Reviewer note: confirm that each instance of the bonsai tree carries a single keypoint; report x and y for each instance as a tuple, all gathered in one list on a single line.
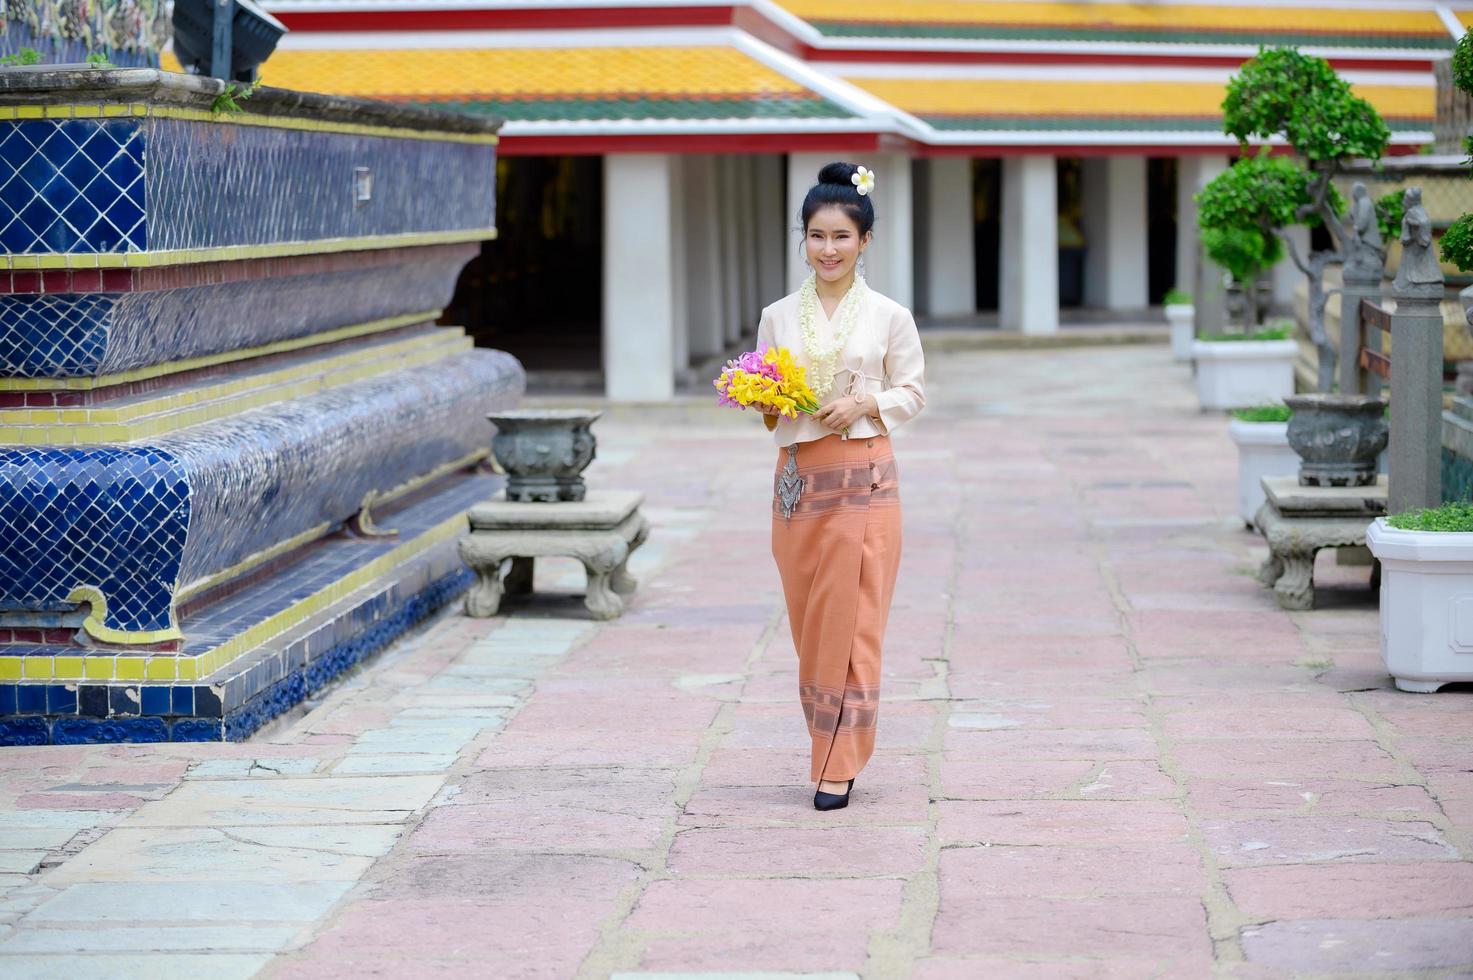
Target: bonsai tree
[(1457, 241), (1284, 94), (1240, 213)]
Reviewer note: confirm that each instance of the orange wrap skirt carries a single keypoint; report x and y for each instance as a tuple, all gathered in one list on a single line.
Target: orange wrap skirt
[(838, 556)]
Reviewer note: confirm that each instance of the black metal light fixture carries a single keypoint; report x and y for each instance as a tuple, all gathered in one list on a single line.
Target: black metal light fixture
[(225, 39)]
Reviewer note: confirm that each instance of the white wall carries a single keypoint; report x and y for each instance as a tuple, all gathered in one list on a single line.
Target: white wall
[(945, 264)]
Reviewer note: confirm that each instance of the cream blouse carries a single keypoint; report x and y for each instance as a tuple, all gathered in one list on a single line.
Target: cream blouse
[(882, 358)]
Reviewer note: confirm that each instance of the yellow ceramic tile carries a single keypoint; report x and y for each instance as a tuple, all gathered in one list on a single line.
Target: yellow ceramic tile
[(38, 668), (161, 669), (449, 74), (187, 668), (30, 112), (10, 668), (67, 668), (131, 668), (98, 668)]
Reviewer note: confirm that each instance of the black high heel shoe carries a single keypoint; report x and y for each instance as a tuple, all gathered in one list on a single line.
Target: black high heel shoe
[(832, 801)]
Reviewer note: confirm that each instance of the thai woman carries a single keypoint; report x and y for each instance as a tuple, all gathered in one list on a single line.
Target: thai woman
[(836, 506)]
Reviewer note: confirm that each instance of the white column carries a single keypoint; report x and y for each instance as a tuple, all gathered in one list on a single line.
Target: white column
[(638, 281), (803, 171), (1286, 274), (1029, 288), (679, 270), (706, 312), (773, 239), (746, 197), (889, 262), (1194, 274), (946, 265), (730, 222), (1116, 270)]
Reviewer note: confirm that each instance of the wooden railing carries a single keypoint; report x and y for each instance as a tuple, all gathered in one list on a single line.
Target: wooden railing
[(1375, 315)]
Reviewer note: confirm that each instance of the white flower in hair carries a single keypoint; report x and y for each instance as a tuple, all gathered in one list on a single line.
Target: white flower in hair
[(863, 180)]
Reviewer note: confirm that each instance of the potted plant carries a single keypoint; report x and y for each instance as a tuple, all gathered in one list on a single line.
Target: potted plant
[(1261, 434), (1426, 595), (1285, 95), (1241, 370), (1182, 316)]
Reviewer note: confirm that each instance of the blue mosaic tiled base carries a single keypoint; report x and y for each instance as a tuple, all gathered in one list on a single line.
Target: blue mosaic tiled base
[(240, 698), (155, 183), (138, 523), (90, 334)]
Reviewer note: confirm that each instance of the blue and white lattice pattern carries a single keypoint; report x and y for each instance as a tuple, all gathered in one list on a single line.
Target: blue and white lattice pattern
[(72, 185), (53, 335), (113, 518)]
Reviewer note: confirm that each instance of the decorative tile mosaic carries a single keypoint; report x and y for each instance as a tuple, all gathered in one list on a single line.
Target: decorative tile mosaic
[(110, 518), (116, 519), (213, 184), (79, 185), (86, 335), (130, 33), (71, 185), (237, 701)]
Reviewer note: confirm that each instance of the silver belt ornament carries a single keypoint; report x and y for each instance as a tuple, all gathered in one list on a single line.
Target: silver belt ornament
[(789, 485)]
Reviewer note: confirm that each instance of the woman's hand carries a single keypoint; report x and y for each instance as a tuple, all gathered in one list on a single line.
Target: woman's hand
[(841, 414)]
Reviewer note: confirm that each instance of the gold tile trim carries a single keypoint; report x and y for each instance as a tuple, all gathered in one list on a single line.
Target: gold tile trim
[(188, 256), (210, 360), (203, 664), (93, 624), (246, 118)]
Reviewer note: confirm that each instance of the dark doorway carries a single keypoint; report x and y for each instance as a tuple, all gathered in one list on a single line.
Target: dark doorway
[(987, 230), (1161, 231), (1071, 231), (537, 289)]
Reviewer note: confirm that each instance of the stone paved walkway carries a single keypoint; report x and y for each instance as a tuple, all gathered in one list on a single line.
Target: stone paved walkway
[(1104, 752)]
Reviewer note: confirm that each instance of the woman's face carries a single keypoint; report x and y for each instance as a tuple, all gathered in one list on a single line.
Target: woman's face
[(833, 243)]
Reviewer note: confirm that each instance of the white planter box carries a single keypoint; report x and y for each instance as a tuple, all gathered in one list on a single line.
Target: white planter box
[(1243, 373), (1263, 450), (1426, 605), (1183, 320)]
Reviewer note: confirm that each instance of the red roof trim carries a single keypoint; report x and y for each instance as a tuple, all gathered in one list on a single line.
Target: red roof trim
[(504, 19), (527, 146), (904, 56)]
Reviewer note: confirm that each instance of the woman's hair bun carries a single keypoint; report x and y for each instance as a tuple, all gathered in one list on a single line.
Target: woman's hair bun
[(837, 172)]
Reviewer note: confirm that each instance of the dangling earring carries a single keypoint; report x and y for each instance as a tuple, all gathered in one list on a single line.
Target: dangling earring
[(861, 263)]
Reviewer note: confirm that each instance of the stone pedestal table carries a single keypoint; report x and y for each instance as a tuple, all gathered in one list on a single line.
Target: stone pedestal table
[(1298, 521), (601, 531)]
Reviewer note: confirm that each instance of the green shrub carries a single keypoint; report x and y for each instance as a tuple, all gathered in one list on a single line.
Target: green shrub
[(1457, 243), (1281, 332), (1263, 413), (1177, 297), (1389, 210), (1449, 517)]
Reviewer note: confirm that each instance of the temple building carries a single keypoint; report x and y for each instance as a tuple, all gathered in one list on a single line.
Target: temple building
[(1032, 156)]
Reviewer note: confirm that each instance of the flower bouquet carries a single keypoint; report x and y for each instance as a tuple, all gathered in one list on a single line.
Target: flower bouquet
[(767, 377)]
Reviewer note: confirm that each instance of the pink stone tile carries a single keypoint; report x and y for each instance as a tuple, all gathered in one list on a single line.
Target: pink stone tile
[(1044, 713), (1307, 795), (1438, 755), (1353, 891), (1301, 840), (1168, 928), (965, 776), (1311, 720), (798, 850), (1032, 967), (734, 806), (971, 874), (1252, 758), (564, 828), (1059, 744), (1060, 822), (1335, 946), (598, 716), (523, 750)]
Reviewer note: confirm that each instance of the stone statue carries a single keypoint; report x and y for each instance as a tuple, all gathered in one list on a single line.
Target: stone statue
[(1418, 275), (1367, 258)]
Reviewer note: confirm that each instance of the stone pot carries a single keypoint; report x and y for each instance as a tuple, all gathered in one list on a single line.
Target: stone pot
[(1338, 438), (1426, 618), (543, 452)]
